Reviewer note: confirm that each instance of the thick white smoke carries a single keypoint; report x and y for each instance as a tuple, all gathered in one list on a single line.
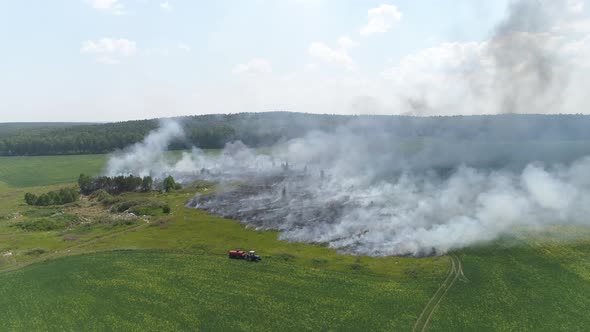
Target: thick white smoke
[(145, 157), (363, 192), (151, 157)]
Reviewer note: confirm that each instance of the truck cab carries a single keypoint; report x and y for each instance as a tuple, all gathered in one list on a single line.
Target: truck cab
[(251, 256)]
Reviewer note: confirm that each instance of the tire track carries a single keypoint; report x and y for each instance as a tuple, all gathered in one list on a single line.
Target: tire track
[(67, 250), (455, 271)]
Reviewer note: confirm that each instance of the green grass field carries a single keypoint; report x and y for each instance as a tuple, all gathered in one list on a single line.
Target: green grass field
[(47, 170), (161, 291), (170, 272), (521, 288)]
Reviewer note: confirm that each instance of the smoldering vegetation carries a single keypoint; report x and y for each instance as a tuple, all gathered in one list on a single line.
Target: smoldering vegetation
[(413, 186), (362, 190)]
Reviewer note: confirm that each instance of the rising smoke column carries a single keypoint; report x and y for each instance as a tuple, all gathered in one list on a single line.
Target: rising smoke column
[(362, 190), (529, 73), (147, 156), (151, 157), (531, 63)]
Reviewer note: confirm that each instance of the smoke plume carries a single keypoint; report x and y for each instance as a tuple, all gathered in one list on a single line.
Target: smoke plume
[(361, 190), (528, 73), (148, 156), (531, 63)]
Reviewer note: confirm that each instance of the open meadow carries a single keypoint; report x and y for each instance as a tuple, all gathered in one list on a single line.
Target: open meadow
[(79, 266)]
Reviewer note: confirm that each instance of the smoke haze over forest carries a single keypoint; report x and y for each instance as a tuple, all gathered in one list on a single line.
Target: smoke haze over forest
[(367, 192), (363, 189)]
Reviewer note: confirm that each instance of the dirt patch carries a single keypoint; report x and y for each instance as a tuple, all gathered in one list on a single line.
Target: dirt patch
[(10, 194), (70, 237)]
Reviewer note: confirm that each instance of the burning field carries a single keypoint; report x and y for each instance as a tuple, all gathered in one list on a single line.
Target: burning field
[(378, 187), (365, 192)]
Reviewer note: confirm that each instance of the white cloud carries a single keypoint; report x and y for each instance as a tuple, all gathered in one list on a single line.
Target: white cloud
[(445, 58), (481, 77), (113, 6), (256, 66), (109, 50), (339, 57), (157, 52), (381, 19), (184, 47), (310, 68), (575, 6), (442, 77), (345, 42), (573, 26), (578, 51), (165, 5)]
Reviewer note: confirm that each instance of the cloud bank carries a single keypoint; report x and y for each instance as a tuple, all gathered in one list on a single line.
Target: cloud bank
[(109, 50)]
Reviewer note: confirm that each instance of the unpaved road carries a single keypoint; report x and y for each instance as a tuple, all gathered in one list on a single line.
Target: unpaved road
[(455, 272), (67, 251)]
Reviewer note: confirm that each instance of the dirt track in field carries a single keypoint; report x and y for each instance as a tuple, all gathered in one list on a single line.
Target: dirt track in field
[(67, 251), (456, 271)]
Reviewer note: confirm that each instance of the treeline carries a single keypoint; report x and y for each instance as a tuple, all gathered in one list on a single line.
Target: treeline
[(8, 129), (78, 139), (265, 129), (112, 185), (204, 131), (120, 184), (57, 197)]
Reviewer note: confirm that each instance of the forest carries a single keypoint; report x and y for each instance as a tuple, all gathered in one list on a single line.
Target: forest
[(265, 129)]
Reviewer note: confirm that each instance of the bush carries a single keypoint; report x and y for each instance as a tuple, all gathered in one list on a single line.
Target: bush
[(41, 224), (31, 199), (166, 209), (101, 195), (36, 251), (125, 205), (170, 185), (115, 185), (58, 197)]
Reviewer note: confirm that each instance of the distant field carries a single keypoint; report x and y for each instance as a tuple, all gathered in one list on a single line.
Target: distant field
[(22, 172), (48, 170)]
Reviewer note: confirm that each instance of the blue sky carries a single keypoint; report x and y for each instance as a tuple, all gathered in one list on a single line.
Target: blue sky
[(106, 60)]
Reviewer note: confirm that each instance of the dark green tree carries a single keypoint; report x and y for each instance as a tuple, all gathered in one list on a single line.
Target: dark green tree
[(86, 184), (31, 199), (147, 184), (170, 184)]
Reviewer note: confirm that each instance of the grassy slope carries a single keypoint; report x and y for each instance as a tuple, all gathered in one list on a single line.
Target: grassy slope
[(19, 175), (295, 278)]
